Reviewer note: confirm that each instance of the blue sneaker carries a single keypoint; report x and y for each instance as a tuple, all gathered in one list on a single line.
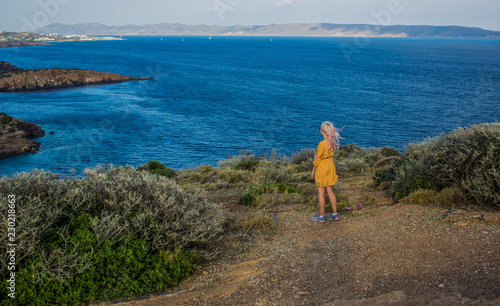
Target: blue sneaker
[(334, 217), (319, 219)]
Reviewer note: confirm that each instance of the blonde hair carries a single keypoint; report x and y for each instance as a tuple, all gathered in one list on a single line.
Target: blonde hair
[(331, 135)]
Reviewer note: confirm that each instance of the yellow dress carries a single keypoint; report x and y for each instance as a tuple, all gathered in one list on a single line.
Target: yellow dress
[(325, 174)]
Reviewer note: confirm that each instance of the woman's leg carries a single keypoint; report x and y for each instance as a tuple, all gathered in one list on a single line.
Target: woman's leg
[(321, 200), (332, 197)]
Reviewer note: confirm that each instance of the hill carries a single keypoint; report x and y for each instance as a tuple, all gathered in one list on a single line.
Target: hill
[(294, 29)]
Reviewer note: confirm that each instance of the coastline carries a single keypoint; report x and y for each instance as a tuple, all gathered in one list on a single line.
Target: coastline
[(14, 79), (28, 39)]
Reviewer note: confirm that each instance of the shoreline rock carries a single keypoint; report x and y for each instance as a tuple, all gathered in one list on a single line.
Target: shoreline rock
[(21, 80), (15, 136)]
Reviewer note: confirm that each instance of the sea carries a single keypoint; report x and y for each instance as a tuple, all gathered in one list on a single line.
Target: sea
[(214, 98)]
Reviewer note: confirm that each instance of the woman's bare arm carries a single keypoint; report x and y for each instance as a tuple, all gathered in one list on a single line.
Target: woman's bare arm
[(314, 167)]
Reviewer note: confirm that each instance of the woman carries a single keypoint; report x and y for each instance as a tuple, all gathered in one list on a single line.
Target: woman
[(324, 170)]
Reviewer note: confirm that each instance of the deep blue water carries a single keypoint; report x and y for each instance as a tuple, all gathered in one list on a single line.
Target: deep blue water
[(213, 98)]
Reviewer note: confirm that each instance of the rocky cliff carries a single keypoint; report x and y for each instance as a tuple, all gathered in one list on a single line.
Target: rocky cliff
[(15, 136), (56, 78)]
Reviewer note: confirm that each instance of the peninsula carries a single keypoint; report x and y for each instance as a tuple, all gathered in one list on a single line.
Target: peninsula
[(16, 135), (24, 39), (13, 78)]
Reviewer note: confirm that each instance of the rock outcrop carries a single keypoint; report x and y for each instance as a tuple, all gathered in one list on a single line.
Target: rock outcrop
[(4, 66), (15, 136), (19, 80)]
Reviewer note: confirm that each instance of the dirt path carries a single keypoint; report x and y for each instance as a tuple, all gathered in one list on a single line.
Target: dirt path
[(385, 255)]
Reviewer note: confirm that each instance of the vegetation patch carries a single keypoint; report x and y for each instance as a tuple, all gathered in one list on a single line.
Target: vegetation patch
[(449, 197), (5, 119), (249, 197), (248, 165), (157, 167), (468, 159), (257, 222), (114, 233)]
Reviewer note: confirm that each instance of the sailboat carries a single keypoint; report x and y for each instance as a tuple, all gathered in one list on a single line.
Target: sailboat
[(210, 37)]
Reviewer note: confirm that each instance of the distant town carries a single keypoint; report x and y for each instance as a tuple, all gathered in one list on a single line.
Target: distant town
[(23, 39)]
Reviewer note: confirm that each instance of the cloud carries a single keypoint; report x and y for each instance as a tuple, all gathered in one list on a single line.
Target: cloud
[(285, 3)]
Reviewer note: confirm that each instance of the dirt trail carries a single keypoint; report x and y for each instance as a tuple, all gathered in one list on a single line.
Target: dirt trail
[(236, 276)]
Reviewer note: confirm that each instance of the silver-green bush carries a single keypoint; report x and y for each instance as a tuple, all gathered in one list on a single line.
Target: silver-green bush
[(468, 158), (123, 201)]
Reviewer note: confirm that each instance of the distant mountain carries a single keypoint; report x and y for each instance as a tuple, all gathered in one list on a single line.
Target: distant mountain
[(293, 29)]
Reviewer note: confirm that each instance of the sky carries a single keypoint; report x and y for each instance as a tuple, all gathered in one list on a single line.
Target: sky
[(18, 14)]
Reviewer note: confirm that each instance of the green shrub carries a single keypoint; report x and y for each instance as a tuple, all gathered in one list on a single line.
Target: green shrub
[(89, 271), (468, 158), (230, 176), (304, 156), (385, 175), (164, 172), (157, 167), (352, 158), (282, 188), (418, 169), (350, 149), (350, 164), (205, 169), (122, 221), (11, 130), (371, 157), (303, 160), (4, 118), (389, 151), (248, 165)]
